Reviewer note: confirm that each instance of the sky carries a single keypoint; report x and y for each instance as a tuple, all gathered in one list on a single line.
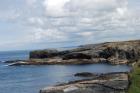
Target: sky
[(40, 24)]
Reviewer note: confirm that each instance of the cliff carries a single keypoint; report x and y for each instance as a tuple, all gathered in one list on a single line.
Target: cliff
[(110, 52)]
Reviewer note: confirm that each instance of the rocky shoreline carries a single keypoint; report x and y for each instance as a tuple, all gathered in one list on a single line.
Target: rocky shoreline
[(104, 83), (125, 52)]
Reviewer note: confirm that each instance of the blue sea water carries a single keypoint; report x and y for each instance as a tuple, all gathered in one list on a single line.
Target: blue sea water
[(13, 55), (30, 79)]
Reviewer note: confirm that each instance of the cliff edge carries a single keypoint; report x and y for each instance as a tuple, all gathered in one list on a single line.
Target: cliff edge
[(125, 52)]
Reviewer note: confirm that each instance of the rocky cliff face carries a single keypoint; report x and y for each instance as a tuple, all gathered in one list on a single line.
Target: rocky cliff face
[(111, 52)]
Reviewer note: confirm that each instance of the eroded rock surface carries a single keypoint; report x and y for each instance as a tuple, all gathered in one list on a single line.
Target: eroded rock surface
[(111, 52), (107, 83)]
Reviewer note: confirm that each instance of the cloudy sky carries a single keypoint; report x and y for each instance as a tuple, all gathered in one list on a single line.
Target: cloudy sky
[(36, 24)]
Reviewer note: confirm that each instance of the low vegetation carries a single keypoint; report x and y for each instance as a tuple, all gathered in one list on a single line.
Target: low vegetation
[(135, 79)]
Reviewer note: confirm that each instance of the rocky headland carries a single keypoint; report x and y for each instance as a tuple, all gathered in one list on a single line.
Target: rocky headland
[(125, 52)]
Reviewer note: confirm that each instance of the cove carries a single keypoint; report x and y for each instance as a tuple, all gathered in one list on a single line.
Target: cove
[(30, 79)]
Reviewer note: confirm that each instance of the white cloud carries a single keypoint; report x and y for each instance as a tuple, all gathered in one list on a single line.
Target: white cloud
[(55, 7), (48, 35), (89, 18), (78, 20), (31, 2), (9, 15), (86, 34), (35, 21)]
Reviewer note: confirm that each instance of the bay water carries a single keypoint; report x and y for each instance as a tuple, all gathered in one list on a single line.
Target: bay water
[(30, 79)]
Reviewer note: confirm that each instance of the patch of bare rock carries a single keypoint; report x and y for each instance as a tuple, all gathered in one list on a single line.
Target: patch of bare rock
[(105, 83)]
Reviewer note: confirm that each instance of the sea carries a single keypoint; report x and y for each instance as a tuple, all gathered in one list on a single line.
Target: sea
[(30, 79)]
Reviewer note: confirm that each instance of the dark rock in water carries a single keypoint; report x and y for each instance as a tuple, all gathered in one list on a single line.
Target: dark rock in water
[(85, 74), (113, 83)]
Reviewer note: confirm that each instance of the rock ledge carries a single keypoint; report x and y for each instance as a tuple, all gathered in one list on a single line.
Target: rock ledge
[(107, 83)]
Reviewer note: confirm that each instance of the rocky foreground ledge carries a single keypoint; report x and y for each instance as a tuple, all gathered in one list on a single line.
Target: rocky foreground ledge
[(125, 52), (105, 83)]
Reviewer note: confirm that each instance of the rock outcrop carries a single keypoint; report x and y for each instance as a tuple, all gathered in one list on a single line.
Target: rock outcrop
[(85, 74), (106, 83), (44, 53), (111, 52)]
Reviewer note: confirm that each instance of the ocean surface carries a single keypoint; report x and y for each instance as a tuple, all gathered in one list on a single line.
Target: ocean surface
[(30, 79)]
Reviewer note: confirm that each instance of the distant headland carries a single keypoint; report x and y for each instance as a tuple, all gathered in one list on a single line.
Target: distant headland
[(124, 52)]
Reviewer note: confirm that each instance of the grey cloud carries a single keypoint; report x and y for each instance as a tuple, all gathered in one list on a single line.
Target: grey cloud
[(72, 20)]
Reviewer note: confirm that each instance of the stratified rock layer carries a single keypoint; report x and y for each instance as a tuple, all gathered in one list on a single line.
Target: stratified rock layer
[(111, 52), (107, 83)]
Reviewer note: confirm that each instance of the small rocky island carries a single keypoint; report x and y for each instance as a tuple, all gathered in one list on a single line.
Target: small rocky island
[(125, 52)]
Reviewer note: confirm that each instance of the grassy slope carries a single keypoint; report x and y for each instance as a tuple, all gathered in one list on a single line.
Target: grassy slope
[(135, 80)]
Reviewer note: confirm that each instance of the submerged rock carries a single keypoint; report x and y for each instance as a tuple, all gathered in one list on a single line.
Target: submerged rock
[(85, 74)]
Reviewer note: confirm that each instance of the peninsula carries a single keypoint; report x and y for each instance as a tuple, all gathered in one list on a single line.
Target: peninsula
[(124, 52)]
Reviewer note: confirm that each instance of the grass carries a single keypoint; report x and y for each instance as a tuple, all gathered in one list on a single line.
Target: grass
[(135, 80)]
